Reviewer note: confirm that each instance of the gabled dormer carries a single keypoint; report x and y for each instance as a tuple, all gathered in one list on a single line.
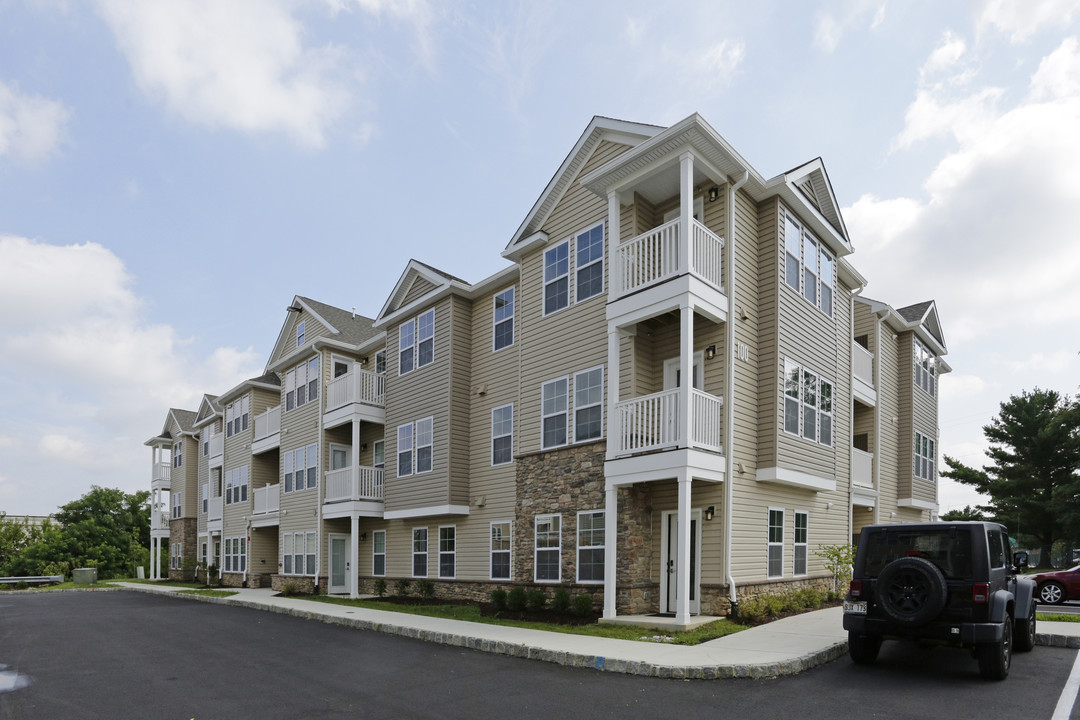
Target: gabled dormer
[(812, 182), (419, 285), (208, 425)]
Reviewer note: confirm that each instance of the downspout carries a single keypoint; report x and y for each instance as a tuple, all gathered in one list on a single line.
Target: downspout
[(729, 381), (322, 483), (875, 467)]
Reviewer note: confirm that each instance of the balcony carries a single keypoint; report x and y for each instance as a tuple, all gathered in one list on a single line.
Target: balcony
[(267, 500), (659, 255), (354, 490), (651, 422), (862, 362), (358, 394), (267, 431), (213, 513), (862, 468), (159, 523), (161, 476), (217, 449)]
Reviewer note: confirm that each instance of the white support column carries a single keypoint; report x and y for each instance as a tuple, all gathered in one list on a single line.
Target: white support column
[(686, 210), (614, 224), (614, 428), (686, 372), (611, 536), (682, 603), (355, 460), (354, 554)]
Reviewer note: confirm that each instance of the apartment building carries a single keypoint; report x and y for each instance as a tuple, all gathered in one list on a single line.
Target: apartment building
[(173, 480), (672, 395)]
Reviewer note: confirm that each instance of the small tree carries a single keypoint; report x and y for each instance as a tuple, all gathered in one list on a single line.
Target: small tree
[(838, 560)]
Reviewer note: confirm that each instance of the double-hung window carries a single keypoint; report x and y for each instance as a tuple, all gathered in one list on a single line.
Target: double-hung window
[(177, 504), (416, 343), (301, 333), (808, 404), (415, 447), (802, 525), (380, 362), (378, 454), (924, 457), (925, 368), (503, 320), (548, 550), (178, 454), (298, 553), (500, 551), (776, 543), (206, 443), (236, 554), (424, 442), (204, 495), (236, 416), (809, 269), (405, 450), (419, 552), (590, 263), (378, 553), (557, 278), (588, 404), (447, 551), (554, 396), (590, 542), (301, 468), (302, 384), (502, 435), (236, 485)]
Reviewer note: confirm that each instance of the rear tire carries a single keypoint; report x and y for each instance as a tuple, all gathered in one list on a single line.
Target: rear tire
[(863, 649), (995, 659), (1024, 632)]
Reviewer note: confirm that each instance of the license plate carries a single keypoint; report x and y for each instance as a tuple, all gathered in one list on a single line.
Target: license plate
[(855, 607)]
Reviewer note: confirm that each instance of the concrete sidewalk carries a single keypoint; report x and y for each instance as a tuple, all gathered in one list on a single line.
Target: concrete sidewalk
[(783, 647)]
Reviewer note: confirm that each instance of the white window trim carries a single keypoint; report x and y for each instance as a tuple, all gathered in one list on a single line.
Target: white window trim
[(375, 554), (301, 472), (805, 545), (452, 552), (375, 454), (790, 364), (177, 453), (925, 378), (512, 319), (430, 419), (603, 254), (301, 333), (288, 542), (414, 323), (510, 551), (603, 394), (581, 547), (537, 550), (564, 411), (335, 359), (236, 558), (177, 505), (931, 458), (804, 233), (495, 437), (771, 544), (312, 369), (545, 282), (411, 450), (426, 553)]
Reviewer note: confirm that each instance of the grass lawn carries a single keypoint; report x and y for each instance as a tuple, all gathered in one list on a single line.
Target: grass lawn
[(471, 613), (207, 592), (1058, 617), (70, 585)]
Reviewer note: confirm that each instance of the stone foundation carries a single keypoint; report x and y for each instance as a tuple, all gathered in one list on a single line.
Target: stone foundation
[(186, 532), (233, 580), (304, 585), (480, 592)]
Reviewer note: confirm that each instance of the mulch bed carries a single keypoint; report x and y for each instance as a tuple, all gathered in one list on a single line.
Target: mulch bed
[(553, 617)]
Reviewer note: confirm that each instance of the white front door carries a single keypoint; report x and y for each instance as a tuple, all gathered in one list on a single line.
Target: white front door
[(340, 572), (669, 560), (339, 456), (672, 377)]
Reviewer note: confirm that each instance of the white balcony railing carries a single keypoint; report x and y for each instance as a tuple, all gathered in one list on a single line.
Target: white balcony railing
[(355, 386), (267, 499), (862, 468), (217, 445), (705, 431), (159, 520), (864, 363), (268, 423), (214, 508), (162, 471), (651, 422), (354, 483), (659, 255)]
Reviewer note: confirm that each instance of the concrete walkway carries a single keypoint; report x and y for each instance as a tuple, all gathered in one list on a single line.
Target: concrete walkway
[(783, 647)]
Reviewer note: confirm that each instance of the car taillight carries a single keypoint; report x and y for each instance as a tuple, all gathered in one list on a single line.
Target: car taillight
[(980, 593), (855, 588)]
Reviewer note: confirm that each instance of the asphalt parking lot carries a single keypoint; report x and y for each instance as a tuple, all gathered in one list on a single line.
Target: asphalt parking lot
[(133, 655)]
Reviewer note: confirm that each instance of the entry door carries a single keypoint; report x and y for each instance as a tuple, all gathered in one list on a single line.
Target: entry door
[(669, 575), (339, 456), (672, 374), (339, 564)]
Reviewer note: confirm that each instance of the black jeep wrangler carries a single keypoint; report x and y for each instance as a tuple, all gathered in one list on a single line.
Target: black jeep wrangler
[(946, 582)]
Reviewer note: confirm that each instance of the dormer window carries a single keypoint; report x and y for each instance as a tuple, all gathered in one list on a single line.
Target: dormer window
[(178, 454), (809, 269), (301, 332)]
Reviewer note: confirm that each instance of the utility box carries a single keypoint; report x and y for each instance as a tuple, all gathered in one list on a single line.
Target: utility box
[(84, 576)]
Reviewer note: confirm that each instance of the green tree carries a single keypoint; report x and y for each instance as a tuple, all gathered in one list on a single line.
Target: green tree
[(968, 513), (14, 537), (1033, 480)]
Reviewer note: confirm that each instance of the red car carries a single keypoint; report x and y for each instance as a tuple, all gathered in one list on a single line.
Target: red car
[(1058, 586)]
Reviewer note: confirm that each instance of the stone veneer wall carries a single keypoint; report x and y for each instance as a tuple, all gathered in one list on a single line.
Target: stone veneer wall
[(305, 585), (186, 531), (569, 480)]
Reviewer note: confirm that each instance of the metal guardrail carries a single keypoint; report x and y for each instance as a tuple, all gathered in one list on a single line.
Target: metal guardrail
[(32, 579)]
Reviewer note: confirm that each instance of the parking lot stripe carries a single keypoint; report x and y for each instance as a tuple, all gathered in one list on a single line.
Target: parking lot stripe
[(1068, 693)]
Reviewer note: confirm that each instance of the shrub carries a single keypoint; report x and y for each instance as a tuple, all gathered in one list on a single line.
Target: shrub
[(498, 600), (402, 587), (187, 569), (290, 589), (380, 587), (21, 585), (516, 599), (582, 605), (425, 589), (561, 601), (838, 560), (536, 600), (213, 577)]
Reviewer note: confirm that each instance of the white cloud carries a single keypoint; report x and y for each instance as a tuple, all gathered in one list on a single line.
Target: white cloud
[(86, 374), (947, 54), (832, 24), (957, 386), (1053, 362), (31, 127), (241, 65), (723, 59), (1058, 76), (879, 222), (1021, 20)]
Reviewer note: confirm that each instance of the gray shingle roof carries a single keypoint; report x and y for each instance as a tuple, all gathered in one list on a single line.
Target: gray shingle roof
[(354, 329), (186, 418), (444, 274), (914, 313), (267, 379)]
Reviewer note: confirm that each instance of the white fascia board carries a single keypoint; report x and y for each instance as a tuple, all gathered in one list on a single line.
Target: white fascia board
[(371, 343), (812, 217), (244, 386), (537, 240), (497, 281), (413, 307), (207, 420), (795, 478), (850, 275), (430, 511), (294, 357), (318, 317), (916, 503), (281, 334), (441, 282)]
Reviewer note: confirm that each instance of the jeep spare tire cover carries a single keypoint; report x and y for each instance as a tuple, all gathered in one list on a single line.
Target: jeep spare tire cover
[(911, 591)]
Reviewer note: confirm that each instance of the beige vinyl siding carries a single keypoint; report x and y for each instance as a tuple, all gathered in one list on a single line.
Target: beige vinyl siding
[(889, 444), (422, 393), (702, 495), (744, 395), (313, 329), (300, 428), (571, 339), (264, 552), (497, 374), (768, 328), (457, 430), (203, 476), (186, 478), (419, 288), (918, 414)]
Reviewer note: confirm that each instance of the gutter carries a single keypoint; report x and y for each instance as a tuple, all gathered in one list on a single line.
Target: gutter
[(729, 381)]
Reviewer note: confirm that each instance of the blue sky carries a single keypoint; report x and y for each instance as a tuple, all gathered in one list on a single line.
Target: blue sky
[(172, 173)]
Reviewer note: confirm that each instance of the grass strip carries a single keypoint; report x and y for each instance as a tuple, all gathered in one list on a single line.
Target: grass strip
[(1058, 617), (207, 592)]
